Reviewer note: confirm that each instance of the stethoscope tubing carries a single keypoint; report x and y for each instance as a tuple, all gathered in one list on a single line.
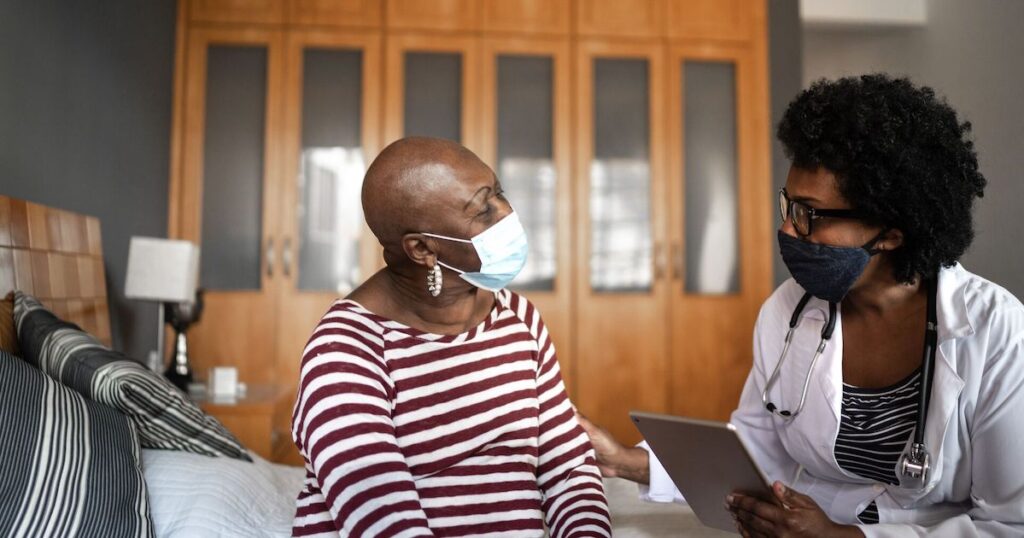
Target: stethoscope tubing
[(826, 335)]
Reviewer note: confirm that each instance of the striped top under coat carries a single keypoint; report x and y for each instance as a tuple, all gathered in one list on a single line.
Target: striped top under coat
[(875, 427)]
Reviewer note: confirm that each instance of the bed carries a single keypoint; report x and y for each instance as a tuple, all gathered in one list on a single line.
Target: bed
[(55, 257), (169, 483)]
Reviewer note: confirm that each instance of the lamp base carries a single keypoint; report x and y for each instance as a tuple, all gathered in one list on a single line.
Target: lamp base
[(180, 371)]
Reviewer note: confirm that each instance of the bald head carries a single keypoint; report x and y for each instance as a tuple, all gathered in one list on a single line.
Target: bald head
[(415, 183)]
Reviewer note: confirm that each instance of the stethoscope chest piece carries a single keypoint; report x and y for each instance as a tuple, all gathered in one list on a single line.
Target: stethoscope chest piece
[(914, 466)]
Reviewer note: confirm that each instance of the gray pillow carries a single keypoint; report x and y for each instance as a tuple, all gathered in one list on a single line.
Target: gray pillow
[(70, 465), (164, 415)]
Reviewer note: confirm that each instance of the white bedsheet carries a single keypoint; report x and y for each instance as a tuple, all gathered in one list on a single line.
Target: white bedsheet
[(194, 496)]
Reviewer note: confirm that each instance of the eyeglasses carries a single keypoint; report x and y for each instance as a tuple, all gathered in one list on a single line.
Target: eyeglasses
[(803, 216)]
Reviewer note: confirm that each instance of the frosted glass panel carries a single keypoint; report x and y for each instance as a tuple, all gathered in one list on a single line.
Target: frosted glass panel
[(433, 95), (712, 234), (236, 95), (330, 175), (525, 159), (620, 178)]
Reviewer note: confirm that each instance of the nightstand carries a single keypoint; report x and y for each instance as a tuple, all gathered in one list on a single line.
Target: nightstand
[(250, 418)]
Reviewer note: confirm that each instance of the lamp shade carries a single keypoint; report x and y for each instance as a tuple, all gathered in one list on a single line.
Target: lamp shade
[(165, 270)]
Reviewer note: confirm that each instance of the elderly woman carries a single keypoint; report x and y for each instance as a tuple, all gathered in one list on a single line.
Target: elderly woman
[(430, 401), (897, 407)]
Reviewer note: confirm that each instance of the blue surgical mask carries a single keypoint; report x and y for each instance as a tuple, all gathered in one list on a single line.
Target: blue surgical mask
[(825, 271), (502, 251)]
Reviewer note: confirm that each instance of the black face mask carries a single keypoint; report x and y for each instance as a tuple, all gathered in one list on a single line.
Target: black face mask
[(824, 271)]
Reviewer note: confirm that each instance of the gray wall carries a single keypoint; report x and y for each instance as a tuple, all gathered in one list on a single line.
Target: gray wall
[(971, 52), (85, 110), (785, 63)]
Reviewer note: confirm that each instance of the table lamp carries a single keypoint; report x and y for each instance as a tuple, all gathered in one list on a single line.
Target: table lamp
[(167, 271)]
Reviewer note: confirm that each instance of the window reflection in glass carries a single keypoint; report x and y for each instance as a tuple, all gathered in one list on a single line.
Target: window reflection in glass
[(620, 179), (709, 143), (530, 186), (525, 101), (330, 218), (620, 245), (330, 175)]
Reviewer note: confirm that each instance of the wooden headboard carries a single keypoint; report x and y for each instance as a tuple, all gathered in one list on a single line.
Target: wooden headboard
[(56, 256)]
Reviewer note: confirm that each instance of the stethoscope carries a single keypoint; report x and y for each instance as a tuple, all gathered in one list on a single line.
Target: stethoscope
[(915, 462)]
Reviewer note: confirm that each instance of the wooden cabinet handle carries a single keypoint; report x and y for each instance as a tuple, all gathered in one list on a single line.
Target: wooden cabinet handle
[(286, 257), (659, 261), (270, 256), (677, 261)]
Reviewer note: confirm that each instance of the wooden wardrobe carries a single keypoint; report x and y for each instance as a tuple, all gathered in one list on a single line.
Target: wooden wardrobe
[(632, 137)]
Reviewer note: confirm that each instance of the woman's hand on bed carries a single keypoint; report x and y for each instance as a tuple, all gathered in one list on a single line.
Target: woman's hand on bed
[(614, 459), (793, 514)]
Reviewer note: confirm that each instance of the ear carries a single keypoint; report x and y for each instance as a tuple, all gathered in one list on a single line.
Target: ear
[(420, 249), (891, 240)]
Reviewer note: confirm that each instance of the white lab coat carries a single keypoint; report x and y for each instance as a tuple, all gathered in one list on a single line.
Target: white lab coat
[(974, 428)]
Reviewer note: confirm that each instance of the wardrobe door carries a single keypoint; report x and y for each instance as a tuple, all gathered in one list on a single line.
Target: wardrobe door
[(433, 15), (226, 199), (621, 280), (347, 13), (548, 17), (615, 18), (237, 11), (719, 224), (525, 119), (331, 134), (713, 20)]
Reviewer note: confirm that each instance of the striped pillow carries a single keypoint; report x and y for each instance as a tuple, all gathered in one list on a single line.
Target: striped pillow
[(164, 416), (70, 466)]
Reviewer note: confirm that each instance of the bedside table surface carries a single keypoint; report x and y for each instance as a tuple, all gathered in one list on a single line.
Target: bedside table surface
[(257, 398), (252, 418)]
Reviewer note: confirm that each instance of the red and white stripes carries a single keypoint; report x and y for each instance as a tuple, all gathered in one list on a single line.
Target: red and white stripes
[(406, 433)]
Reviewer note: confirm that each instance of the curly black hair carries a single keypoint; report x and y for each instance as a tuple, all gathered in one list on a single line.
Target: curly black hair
[(900, 155)]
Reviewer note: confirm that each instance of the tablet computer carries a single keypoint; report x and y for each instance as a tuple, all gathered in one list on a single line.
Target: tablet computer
[(706, 461)]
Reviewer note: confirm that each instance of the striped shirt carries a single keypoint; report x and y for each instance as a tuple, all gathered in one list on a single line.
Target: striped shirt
[(873, 432), (406, 433)]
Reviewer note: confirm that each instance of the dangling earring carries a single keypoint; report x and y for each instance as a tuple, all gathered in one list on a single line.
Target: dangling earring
[(435, 280)]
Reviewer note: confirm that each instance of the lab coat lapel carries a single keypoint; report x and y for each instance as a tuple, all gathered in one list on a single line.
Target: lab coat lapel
[(946, 382), (946, 388), (805, 434)]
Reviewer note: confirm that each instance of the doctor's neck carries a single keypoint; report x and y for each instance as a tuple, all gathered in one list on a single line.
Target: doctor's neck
[(877, 292)]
